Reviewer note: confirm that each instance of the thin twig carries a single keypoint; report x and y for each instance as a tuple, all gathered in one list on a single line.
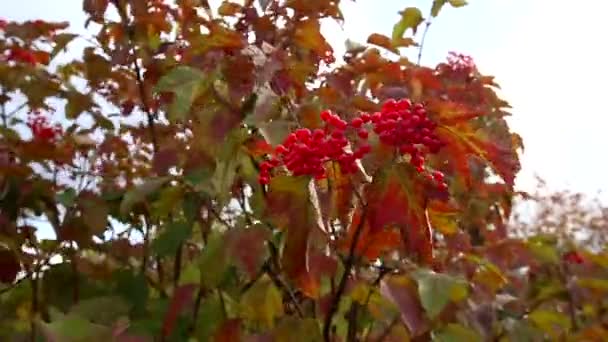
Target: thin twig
[(426, 30)]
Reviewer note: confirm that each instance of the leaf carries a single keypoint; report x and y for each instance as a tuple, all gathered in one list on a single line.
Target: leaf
[(61, 42), (72, 328), (443, 217), (9, 265), (182, 296), (187, 83), (438, 4), (101, 310), (139, 193), (411, 17), (399, 200), (229, 9), (262, 303), (383, 41), (213, 261), (133, 288), (293, 329), (436, 290), (308, 35), (551, 322), (463, 142), (371, 243), (288, 207), (456, 333), (229, 331), (171, 238), (247, 247), (95, 212), (401, 291), (210, 316)]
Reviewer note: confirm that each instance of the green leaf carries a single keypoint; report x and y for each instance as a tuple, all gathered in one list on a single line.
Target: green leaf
[(190, 275), (169, 240), (213, 261), (102, 310), (411, 17), (210, 316), (438, 4), (456, 333), (133, 288), (262, 303), (139, 193), (72, 328), (187, 84), (66, 197), (437, 290), (551, 322)]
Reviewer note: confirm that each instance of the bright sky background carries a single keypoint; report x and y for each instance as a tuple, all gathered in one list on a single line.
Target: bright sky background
[(550, 57)]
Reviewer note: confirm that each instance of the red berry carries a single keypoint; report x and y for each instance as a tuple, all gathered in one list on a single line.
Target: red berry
[(326, 115), (365, 117), (363, 134), (280, 149), (442, 186), (438, 176), (303, 133), (356, 122), (264, 180)]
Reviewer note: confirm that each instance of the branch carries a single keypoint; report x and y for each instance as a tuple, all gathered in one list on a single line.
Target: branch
[(426, 30), (348, 265)]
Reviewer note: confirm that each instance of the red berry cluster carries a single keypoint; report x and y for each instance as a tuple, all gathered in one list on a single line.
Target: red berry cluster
[(19, 54), (305, 152), (406, 127), (42, 129), (460, 62)]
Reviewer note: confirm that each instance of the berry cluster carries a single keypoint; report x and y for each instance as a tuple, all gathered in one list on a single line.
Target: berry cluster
[(460, 62), (406, 127), (22, 55), (306, 152), (42, 129)]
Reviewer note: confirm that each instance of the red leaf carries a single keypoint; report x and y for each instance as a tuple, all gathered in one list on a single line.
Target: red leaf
[(371, 244), (9, 266), (181, 297), (229, 331), (398, 198), (247, 247)]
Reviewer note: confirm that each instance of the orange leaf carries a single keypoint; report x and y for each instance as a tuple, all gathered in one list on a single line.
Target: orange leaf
[(229, 9), (370, 244), (462, 142), (383, 41), (308, 35)]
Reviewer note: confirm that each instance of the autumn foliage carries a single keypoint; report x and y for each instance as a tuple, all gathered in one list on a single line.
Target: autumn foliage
[(215, 173)]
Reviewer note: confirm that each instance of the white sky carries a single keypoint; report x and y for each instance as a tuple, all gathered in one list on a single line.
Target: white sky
[(548, 55)]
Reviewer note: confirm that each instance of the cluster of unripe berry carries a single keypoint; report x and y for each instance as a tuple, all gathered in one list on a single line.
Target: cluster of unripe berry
[(399, 124)]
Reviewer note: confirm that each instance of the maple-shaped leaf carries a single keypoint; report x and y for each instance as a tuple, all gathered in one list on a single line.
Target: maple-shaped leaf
[(308, 35), (463, 142), (398, 197), (370, 243), (288, 207), (247, 247)]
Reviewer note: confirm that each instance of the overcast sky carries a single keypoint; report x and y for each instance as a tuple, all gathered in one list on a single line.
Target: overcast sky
[(549, 56)]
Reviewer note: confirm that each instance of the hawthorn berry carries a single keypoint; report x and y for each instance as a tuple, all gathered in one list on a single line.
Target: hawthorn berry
[(42, 130)]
